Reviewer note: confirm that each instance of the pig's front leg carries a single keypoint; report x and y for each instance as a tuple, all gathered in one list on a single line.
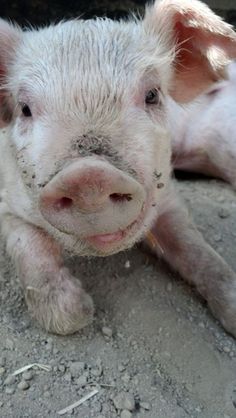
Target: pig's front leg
[(54, 297), (175, 238)]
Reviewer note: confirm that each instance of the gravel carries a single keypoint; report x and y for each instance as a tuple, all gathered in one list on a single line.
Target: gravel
[(153, 350)]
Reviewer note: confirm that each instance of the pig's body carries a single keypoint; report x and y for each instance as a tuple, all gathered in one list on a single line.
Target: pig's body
[(85, 160), (203, 133)]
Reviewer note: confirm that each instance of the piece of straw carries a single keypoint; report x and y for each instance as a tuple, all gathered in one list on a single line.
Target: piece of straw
[(78, 403), (30, 366)]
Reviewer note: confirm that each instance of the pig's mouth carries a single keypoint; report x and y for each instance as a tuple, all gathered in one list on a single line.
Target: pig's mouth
[(102, 241), (112, 242)]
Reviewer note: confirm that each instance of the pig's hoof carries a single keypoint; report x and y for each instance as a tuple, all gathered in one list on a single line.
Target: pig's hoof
[(226, 314), (60, 305)]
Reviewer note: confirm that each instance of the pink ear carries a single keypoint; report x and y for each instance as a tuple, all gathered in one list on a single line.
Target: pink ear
[(9, 40), (204, 44)]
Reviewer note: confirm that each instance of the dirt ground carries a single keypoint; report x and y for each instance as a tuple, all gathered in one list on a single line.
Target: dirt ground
[(153, 350)]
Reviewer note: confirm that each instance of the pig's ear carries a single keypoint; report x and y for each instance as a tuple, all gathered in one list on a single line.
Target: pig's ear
[(9, 39), (203, 44)]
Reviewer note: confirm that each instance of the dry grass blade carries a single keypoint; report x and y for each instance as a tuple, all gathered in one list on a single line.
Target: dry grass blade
[(78, 403), (153, 242), (30, 366)]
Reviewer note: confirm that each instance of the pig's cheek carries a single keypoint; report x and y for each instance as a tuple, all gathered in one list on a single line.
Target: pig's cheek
[(26, 169)]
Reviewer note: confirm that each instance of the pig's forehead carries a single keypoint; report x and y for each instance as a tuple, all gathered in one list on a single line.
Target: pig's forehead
[(90, 52)]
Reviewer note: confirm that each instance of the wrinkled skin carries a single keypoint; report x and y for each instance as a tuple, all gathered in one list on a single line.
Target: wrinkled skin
[(204, 136), (85, 158)]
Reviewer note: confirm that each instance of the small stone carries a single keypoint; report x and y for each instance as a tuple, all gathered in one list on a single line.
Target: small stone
[(28, 375), (9, 344), (82, 380), (97, 371), (10, 380), (76, 368), (223, 213), (220, 250), (2, 370), (125, 414), (107, 331), (145, 405), (218, 238), (121, 367), (1, 404), (23, 385), (2, 361), (127, 264), (226, 349), (67, 377), (124, 401), (125, 378), (62, 368), (169, 287), (9, 391)]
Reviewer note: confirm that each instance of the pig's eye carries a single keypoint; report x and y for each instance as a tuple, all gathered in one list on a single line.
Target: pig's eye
[(152, 97), (26, 110)]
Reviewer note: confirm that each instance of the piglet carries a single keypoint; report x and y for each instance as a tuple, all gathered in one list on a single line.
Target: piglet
[(203, 132), (85, 160)]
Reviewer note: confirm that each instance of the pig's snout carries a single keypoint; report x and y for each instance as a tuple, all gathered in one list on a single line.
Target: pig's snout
[(92, 197)]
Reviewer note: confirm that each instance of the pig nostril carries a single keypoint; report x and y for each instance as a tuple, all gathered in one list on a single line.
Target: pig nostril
[(64, 203), (119, 197)]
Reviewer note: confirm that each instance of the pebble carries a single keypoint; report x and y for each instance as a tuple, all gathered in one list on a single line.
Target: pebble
[(217, 237), (9, 391), (107, 331), (10, 380), (28, 375), (125, 414), (9, 344), (127, 264), (97, 371), (145, 405), (1, 404), (223, 213), (82, 380), (226, 349), (125, 378), (23, 385), (62, 368), (2, 370), (124, 401), (169, 287), (67, 377), (2, 361), (76, 368), (121, 367)]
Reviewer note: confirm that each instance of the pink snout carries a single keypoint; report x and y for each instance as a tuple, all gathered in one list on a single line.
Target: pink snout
[(91, 197)]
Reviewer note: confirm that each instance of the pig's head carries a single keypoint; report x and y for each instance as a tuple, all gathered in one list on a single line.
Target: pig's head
[(85, 105)]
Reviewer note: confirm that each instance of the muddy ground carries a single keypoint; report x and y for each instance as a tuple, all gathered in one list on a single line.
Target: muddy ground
[(153, 350)]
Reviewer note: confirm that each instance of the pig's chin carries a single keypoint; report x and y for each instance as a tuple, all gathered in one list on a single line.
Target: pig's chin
[(106, 244), (115, 241)]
